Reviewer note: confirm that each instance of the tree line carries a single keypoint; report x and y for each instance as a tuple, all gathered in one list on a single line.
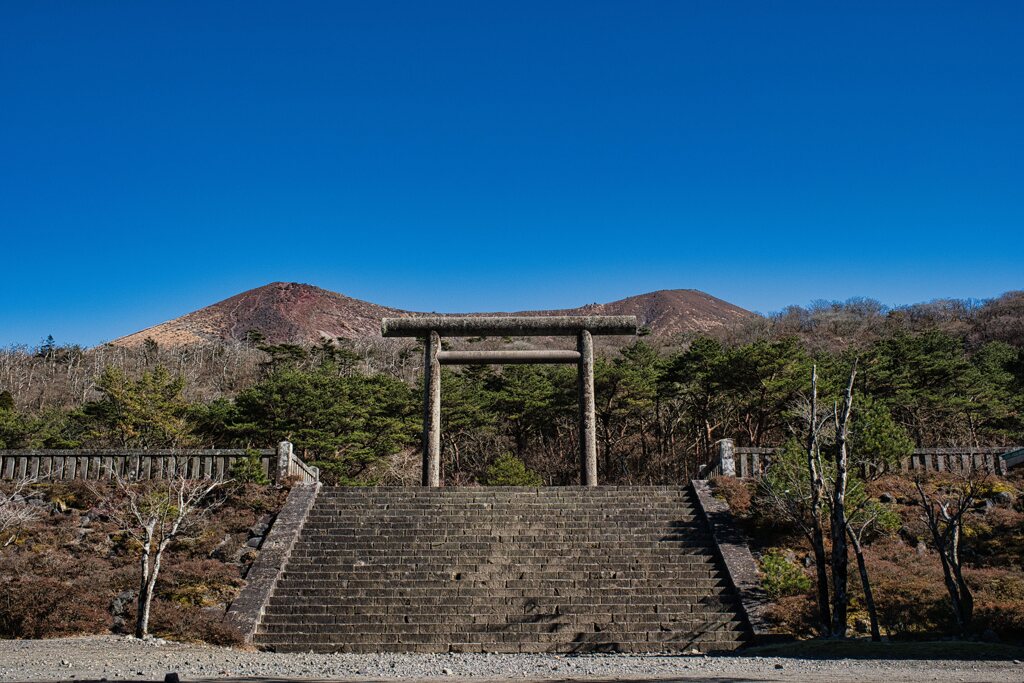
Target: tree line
[(355, 409)]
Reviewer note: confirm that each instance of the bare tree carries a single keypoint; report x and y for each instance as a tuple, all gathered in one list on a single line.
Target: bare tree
[(944, 514), (840, 551), (864, 518), (817, 480), (15, 511), (803, 487), (401, 469), (155, 513)]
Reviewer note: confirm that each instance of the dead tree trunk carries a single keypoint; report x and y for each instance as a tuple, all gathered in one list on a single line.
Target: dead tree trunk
[(945, 521), (817, 536), (145, 583), (865, 582), (840, 551)]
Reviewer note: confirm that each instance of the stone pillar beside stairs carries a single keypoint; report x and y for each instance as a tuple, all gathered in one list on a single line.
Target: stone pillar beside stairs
[(285, 452), (727, 458)]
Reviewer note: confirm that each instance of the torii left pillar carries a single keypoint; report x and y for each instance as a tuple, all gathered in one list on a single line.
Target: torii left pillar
[(432, 410), (588, 413)]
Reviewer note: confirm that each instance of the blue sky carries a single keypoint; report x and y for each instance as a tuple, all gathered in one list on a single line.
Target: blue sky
[(156, 157)]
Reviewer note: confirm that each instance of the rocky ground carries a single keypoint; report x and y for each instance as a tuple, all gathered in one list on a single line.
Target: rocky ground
[(117, 658)]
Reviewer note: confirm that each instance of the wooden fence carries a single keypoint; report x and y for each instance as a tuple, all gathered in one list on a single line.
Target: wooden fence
[(749, 462), (97, 464)]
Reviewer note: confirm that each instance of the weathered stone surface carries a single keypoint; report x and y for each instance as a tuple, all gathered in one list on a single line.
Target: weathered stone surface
[(507, 357), (739, 563), (431, 411), (1003, 498), (502, 569), (511, 326), (248, 607), (726, 457), (102, 463), (588, 418)]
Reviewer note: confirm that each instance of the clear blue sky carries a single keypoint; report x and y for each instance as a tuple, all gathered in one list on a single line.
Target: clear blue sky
[(156, 157)]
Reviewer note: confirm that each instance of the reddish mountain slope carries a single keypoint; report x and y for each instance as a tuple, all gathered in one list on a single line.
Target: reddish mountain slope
[(298, 313), (667, 311), (281, 311)]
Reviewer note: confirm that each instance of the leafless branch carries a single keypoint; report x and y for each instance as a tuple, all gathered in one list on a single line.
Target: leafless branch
[(15, 511)]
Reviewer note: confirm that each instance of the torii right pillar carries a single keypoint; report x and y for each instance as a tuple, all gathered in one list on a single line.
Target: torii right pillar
[(588, 417)]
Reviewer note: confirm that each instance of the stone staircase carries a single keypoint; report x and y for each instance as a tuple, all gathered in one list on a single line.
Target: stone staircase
[(566, 569)]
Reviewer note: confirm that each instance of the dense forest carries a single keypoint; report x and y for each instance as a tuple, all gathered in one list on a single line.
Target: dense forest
[(949, 372)]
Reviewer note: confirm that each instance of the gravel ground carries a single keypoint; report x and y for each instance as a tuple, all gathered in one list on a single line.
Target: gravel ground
[(117, 658)]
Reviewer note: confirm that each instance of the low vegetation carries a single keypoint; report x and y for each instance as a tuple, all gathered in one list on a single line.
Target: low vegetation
[(782, 576), (74, 569), (508, 470), (906, 569)]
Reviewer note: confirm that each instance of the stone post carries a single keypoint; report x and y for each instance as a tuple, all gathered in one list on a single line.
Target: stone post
[(432, 411), (284, 460), (727, 458), (588, 419)]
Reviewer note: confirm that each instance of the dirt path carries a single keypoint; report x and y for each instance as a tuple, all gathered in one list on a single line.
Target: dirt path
[(115, 658)]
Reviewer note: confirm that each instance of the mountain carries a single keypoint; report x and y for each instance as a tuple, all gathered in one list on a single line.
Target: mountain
[(299, 313), (665, 312)]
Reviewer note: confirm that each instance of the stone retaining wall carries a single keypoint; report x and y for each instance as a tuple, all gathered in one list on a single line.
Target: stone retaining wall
[(740, 564), (247, 608)]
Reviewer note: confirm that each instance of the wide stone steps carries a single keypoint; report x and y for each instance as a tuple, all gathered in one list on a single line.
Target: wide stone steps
[(514, 542), (709, 638), (350, 592), (490, 527), (566, 569), (640, 550), (510, 570), (413, 579), (511, 605), (600, 530), (350, 630), (551, 632), (638, 509)]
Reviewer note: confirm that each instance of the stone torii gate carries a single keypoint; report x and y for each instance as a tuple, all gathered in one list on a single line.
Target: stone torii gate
[(432, 328)]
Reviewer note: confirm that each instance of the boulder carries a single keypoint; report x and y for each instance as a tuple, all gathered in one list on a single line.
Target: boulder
[(119, 609), (258, 530), (1003, 498), (222, 550)]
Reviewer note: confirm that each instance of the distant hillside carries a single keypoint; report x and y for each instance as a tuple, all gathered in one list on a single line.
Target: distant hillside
[(299, 313), (666, 312)]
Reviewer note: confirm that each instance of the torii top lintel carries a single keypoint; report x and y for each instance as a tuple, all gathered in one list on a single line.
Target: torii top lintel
[(508, 326)]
